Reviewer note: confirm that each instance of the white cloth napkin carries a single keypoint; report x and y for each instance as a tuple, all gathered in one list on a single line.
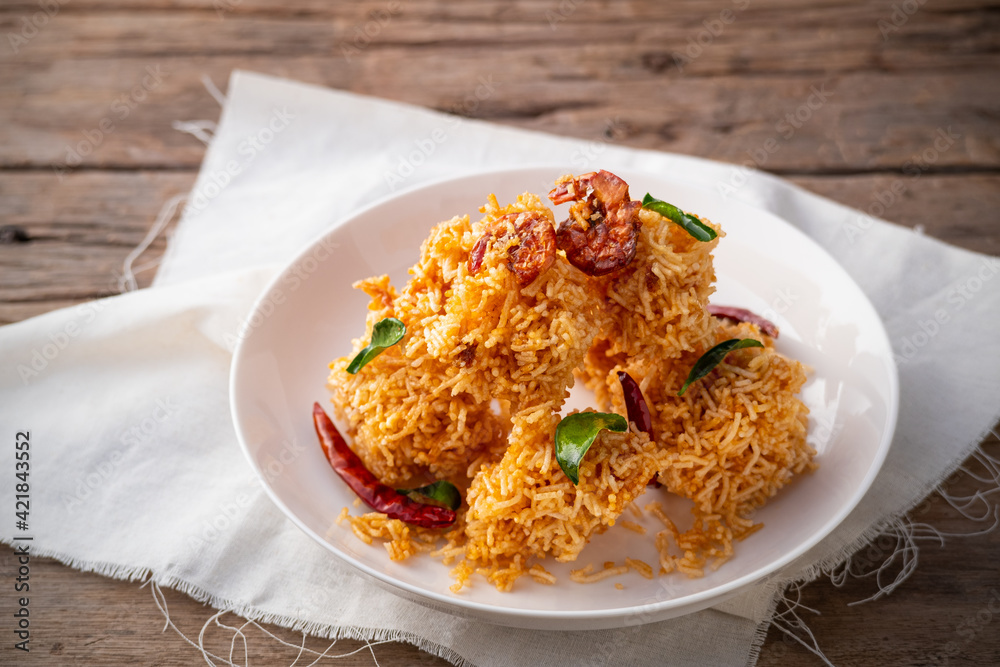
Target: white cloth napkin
[(135, 468)]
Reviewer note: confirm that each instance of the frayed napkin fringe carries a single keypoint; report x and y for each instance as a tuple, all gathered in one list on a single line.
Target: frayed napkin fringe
[(311, 628), (760, 634), (903, 529), (906, 530), (246, 611)]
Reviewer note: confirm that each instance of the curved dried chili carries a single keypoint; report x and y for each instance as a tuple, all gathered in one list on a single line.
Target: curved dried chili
[(635, 404), (380, 497), (744, 315), (637, 410)]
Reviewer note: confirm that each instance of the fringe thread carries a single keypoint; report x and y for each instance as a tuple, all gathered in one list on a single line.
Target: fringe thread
[(899, 535)]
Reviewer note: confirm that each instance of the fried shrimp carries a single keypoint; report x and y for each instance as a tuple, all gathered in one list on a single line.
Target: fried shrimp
[(530, 240), (524, 507), (437, 432), (599, 236)]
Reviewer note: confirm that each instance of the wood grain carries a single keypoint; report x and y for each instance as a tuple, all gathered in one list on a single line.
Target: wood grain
[(80, 228), (566, 69), (89, 153), (86, 619), (870, 121)]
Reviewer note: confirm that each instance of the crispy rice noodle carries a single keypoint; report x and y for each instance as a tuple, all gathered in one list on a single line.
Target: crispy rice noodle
[(499, 324)]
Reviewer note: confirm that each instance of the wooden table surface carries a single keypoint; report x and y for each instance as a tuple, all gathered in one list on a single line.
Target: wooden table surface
[(889, 106)]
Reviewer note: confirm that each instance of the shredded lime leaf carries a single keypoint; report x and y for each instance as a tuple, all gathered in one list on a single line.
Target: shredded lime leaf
[(713, 357), (577, 432), (385, 333), (442, 491), (692, 225)]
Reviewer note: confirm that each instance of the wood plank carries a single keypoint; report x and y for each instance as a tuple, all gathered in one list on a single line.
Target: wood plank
[(956, 209), (602, 11), (567, 72), (89, 206), (54, 271), (716, 38), (870, 120), (15, 311), (82, 618), (80, 229), (707, 38), (76, 233)]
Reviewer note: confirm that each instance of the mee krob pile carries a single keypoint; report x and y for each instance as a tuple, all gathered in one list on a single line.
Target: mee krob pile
[(453, 398)]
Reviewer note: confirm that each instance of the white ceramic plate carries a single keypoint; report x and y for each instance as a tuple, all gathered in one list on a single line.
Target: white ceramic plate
[(309, 314)]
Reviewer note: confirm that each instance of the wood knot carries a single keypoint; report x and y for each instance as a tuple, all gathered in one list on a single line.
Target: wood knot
[(11, 234), (657, 61)]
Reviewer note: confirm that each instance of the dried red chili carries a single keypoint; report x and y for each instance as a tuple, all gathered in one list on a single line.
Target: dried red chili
[(637, 410), (744, 315), (380, 497), (635, 404)]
